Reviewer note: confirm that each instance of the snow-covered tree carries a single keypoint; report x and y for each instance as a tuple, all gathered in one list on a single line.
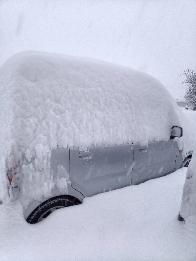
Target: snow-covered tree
[(190, 81)]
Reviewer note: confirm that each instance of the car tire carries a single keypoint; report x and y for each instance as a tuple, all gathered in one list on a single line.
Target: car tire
[(187, 161), (180, 218), (50, 205)]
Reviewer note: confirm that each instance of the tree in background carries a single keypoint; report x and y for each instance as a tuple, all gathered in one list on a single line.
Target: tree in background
[(190, 96)]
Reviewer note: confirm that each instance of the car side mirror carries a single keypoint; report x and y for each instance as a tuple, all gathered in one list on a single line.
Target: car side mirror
[(176, 131)]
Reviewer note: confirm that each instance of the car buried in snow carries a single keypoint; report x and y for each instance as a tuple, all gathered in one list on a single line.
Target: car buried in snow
[(76, 127)]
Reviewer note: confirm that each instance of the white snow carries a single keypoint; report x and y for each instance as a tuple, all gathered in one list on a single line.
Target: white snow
[(50, 100), (137, 223), (67, 101), (188, 121), (188, 206)]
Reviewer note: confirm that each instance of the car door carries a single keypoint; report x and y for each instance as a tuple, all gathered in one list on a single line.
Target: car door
[(100, 169), (155, 160)]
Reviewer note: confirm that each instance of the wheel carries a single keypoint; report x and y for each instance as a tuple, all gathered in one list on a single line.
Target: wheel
[(50, 205), (180, 218), (187, 161)]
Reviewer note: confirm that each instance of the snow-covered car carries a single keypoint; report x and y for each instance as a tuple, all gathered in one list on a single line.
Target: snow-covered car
[(72, 128)]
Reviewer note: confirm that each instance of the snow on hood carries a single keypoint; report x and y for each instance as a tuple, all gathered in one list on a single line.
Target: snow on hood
[(50, 100)]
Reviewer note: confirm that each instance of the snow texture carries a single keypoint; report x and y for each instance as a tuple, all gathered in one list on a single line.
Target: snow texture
[(50, 100), (188, 121), (67, 101), (188, 206), (137, 223)]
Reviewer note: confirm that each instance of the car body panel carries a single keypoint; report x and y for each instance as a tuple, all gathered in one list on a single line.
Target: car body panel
[(158, 159), (105, 168), (101, 169)]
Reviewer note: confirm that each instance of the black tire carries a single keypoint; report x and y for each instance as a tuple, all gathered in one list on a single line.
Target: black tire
[(180, 218), (187, 161), (48, 206)]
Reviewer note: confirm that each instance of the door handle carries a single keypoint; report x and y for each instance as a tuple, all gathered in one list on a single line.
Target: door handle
[(143, 149), (85, 155)]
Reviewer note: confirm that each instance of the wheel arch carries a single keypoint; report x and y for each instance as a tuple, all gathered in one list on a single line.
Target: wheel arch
[(55, 202), (33, 203), (187, 160)]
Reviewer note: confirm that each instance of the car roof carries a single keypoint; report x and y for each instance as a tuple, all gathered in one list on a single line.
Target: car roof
[(69, 101)]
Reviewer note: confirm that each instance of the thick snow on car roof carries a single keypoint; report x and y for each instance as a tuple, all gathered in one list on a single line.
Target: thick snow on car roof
[(66, 101), (50, 100)]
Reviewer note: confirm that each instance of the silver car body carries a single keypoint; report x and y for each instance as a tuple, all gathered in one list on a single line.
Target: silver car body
[(102, 169)]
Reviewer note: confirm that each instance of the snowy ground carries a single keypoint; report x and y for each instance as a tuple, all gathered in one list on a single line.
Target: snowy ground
[(134, 223)]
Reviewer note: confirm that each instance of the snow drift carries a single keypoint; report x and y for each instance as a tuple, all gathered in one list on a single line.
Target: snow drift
[(188, 205), (50, 100), (66, 101), (136, 223)]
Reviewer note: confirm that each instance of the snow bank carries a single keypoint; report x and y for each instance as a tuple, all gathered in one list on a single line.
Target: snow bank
[(52, 100), (188, 120), (188, 206), (144, 227)]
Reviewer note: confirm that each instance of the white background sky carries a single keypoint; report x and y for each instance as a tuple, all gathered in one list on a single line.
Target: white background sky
[(156, 36)]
